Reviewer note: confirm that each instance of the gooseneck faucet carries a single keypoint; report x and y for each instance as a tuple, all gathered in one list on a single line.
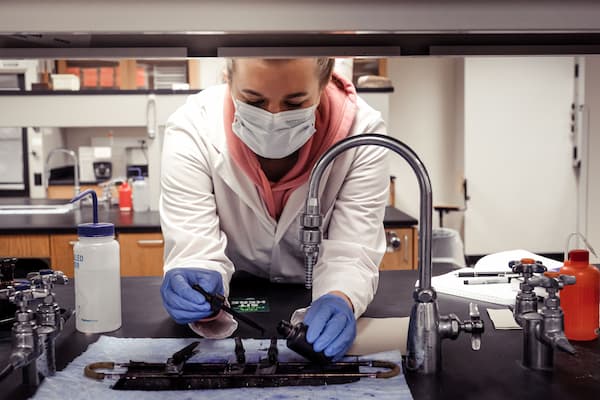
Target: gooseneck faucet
[(425, 330), (70, 153)]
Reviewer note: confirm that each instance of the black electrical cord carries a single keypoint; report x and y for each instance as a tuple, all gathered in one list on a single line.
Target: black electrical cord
[(6, 371)]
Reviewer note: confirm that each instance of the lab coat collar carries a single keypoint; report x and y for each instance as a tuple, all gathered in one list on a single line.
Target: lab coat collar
[(248, 193)]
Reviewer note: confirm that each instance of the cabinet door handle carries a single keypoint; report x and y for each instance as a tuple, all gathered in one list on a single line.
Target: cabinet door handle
[(406, 248), (150, 242), (72, 242)]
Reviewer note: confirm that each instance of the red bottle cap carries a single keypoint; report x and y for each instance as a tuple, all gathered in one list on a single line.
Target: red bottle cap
[(579, 255)]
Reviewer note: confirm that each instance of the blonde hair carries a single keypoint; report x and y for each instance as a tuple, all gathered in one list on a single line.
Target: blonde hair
[(324, 68)]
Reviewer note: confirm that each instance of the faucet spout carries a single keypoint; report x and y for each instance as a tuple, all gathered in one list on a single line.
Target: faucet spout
[(70, 153), (424, 334), (311, 219)]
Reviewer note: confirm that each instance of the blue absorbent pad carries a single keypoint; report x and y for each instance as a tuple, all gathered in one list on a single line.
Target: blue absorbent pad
[(72, 384)]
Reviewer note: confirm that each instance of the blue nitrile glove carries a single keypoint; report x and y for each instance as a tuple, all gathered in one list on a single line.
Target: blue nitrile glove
[(331, 326), (182, 302)]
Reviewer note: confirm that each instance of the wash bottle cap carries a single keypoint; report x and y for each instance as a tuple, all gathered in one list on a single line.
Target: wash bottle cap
[(94, 229), (579, 256)]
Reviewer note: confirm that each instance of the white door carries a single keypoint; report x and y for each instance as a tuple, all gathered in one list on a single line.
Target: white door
[(518, 165), (590, 220)]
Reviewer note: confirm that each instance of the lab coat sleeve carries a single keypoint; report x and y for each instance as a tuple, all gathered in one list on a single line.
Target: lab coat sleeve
[(354, 240), (189, 220)]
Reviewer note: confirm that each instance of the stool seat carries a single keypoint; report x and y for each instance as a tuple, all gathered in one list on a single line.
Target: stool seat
[(446, 208), (447, 248)]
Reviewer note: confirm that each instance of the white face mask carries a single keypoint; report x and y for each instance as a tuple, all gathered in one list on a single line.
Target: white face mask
[(273, 135)]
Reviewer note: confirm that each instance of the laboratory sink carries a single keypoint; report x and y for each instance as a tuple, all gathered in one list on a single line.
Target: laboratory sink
[(61, 208)]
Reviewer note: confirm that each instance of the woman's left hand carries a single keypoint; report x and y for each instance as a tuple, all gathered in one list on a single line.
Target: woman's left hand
[(331, 325)]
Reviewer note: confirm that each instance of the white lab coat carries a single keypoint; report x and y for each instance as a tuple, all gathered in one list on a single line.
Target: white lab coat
[(212, 216)]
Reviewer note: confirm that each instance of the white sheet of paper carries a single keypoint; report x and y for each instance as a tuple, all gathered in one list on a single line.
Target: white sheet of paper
[(499, 261), (503, 318), (497, 293)]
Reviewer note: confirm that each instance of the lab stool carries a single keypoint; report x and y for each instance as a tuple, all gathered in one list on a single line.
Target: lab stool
[(441, 210), (447, 249)]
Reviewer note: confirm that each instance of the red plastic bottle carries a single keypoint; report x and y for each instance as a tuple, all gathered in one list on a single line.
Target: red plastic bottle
[(125, 197), (580, 301)]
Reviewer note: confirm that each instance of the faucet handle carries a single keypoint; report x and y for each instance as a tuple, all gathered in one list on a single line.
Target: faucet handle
[(527, 267), (552, 284), (565, 280), (46, 278), (474, 326)]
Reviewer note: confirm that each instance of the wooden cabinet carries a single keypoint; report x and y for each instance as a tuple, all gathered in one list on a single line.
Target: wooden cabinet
[(61, 250), (401, 250), (141, 254), (25, 246), (66, 191)]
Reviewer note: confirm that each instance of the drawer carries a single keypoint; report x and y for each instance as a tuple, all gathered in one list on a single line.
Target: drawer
[(61, 248), (141, 254), (25, 246), (401, 249)]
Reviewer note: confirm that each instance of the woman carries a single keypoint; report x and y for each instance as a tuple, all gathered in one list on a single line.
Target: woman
[(235, 168)]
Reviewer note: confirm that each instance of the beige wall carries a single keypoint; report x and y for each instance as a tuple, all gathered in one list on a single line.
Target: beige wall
[(518, 154), (426, 114)]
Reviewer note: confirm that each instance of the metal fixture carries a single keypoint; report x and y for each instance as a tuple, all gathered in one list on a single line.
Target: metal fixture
[(426, 327), (34, 334), (526, 300), (542, 331), (450, 326), (25, 338), (48, 317), (70, 153), (107, 186)]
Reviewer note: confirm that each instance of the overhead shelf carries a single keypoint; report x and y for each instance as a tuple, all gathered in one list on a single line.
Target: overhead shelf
[(75, 109)]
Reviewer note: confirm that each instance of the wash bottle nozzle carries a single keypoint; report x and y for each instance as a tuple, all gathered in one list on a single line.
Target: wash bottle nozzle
[(95, 228), (91, 192)]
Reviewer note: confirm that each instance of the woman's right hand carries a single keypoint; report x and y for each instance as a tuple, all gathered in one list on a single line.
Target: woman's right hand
[(183, 303)]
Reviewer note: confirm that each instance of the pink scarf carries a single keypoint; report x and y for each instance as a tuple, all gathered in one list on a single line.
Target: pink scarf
[(334, 118)]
